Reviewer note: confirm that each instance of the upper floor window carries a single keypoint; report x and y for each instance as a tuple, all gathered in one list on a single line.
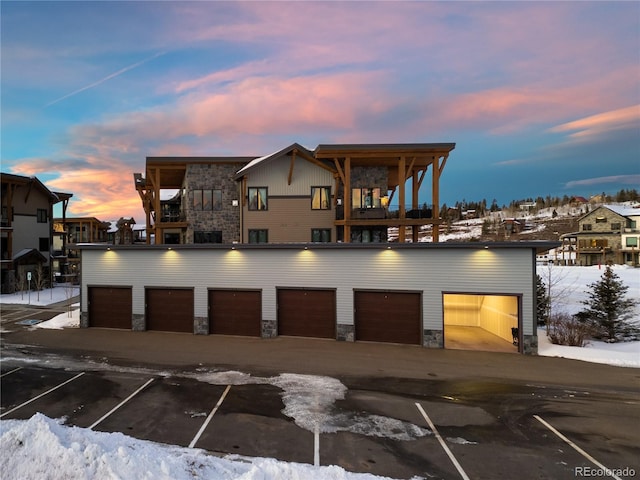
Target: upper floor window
[(616, 226), (601, 220), (207, 200), (42, 215), (320, 198), (365, 198), (257, 198), (632, 241), (586, 227)]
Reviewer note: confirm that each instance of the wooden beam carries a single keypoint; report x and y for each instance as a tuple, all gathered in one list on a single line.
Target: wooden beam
[(410, 169), (339, 169), (435, 197), (293, 161), (347, 199), (422, 175), (401, 198)]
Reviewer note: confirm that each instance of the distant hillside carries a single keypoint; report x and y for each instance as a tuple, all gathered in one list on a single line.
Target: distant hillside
[(542, 224)]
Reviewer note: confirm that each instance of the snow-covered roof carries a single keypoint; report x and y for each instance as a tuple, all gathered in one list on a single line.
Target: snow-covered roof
[(261, 160), (624, 210)]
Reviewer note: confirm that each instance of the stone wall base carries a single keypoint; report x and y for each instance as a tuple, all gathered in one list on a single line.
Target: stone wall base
[(138, 323), (201, 326), (269, 328), (345, 333), (433, 339), (530, 344), (84, 320)]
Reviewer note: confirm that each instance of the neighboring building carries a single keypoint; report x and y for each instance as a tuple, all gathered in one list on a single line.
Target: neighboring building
[(26, 230), (76, 230), (431, 294), (609, 233), (335, 193)]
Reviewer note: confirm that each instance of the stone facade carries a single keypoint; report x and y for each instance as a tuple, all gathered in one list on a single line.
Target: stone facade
[(530, 344), (345, 333), (201, 326), (433, 339), (226, 218), (138, 323), (599, 237), (84, 320), (269, 328)]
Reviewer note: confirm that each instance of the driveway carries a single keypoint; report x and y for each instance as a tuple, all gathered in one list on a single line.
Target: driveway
[(385, 409)]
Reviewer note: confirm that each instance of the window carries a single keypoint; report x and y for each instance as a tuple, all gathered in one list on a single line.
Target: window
[(321, 235), (632, 241), (601, 220), (258, 236), (172, 238), (207, 200), (207, 237), (320, 198), (365, 198), (42, 215), (586, 227), (616, 226), (44, 244), (257, 198)]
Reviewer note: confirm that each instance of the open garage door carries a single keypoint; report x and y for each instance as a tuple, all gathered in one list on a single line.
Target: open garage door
[(386, 316), (307, 312), (110, 307), (481, 322), (235, 312), (169, 309)]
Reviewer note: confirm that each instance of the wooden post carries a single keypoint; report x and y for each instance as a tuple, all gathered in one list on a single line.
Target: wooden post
[(415, 187), (435, 198), (347, 200), (401, 199)]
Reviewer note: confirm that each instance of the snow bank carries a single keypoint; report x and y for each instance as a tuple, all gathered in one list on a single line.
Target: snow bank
[(41, 448)]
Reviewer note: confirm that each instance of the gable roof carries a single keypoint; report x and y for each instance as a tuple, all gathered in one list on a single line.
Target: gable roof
[(261, 161), (55, 197)]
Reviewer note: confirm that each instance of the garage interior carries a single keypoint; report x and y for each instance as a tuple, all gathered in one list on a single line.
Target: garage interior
[(480, 322)]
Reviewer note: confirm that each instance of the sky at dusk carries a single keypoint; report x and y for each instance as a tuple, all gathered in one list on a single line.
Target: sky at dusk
[(541, 98)]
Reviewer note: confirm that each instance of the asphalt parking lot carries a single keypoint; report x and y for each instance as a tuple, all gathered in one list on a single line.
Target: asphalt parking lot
[(449, 422)]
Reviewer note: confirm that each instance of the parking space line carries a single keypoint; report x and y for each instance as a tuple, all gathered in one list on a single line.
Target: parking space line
[(120, 404), (442, 443), (576, 447), (14, 370), (41, 395), (206, 422)]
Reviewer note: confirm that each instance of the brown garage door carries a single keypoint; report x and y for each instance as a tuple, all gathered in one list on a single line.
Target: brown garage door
[(307, 313), (169, 309), (235, 312), (388, 316), (110, 307)]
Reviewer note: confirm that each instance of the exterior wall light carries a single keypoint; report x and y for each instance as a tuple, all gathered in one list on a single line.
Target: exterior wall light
[(234, 203)]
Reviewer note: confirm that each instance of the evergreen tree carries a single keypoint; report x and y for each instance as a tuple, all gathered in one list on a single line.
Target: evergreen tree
[(542, 301), (608, 310)]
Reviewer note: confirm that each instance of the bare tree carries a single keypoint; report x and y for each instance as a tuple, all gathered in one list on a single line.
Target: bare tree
[(39, 279), (558, 290)]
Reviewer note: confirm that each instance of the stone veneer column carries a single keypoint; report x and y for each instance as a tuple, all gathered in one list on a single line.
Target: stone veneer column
[(433, 339), (530, 344), (138, 323), (201, 326), (345, 333), (269, 328)]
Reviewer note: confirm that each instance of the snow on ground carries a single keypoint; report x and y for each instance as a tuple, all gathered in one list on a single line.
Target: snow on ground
[(41, 448), (58, 293)]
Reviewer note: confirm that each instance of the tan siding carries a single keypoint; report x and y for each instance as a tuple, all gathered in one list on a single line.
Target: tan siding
[(289, 220), (275, 175), (433, 271)]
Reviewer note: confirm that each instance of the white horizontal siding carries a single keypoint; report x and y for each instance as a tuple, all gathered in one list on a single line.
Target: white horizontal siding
[(432, 271)]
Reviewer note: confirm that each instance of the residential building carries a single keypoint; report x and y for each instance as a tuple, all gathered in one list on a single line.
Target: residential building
[(26, 229), (476, 295), (607, 234), (335, 193)]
